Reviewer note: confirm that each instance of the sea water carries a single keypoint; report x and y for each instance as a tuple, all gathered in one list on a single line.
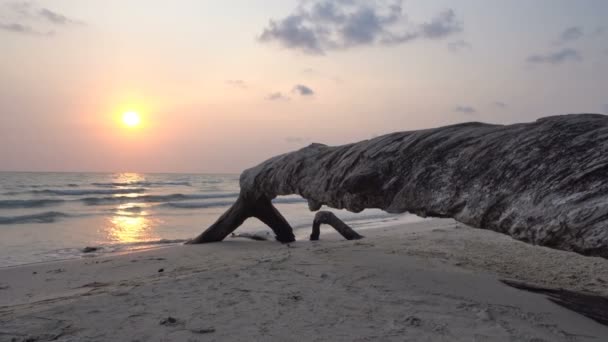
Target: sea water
[(54, 216)]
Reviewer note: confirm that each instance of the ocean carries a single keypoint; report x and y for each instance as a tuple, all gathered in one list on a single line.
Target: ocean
[(54, 216)]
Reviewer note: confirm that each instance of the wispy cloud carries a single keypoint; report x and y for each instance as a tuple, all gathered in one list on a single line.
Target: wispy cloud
[(56, 18), (237, 84), (24, 17), (303, 90), (557, 57), (465, 110), (500, 104), (318, 26), (277, 96), (459, 45), (23, 29), (571, 34), (443, 25)]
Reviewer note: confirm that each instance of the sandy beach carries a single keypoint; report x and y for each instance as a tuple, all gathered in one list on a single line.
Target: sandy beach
[(436, 280)]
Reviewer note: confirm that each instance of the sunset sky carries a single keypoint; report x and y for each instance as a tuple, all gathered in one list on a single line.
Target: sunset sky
[(223, 85)]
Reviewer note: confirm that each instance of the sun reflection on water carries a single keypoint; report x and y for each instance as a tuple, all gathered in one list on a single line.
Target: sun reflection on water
[(131, 221), (131, 224), (129, 177), (129, 180)]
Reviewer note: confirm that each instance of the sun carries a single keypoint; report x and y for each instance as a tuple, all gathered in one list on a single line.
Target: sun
[(131, 119)]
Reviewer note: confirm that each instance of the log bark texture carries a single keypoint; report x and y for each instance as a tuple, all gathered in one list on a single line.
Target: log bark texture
[(543, 182)]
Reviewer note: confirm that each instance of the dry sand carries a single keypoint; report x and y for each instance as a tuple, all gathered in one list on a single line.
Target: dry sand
[(431, 281)]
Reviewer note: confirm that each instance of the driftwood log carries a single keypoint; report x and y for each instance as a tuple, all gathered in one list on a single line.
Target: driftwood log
[(327, 217), (544, 182)]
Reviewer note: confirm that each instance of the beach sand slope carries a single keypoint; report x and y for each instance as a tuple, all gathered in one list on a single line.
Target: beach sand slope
[(435, 280)]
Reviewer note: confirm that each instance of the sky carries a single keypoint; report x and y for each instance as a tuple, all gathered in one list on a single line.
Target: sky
[(223, 85)]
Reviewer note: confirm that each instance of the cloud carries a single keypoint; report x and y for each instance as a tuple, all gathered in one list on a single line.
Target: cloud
[(605, 108), (465, 110), (278, 96), (23, 29), (441, 26), (575, 33), (56, 18), (303, 90), (558, 57), (237, 83), (500, 104), (571, 34), (459, 45), (24, 17), (318, 26)]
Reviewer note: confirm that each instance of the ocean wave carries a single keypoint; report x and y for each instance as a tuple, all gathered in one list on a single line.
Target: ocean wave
[(31, 203), (39, 186), (133, 209), (47, 217), (197, 205), (142, 183), (152, 198), (83, 192), (107, 249), (127, 245), (203, 205)]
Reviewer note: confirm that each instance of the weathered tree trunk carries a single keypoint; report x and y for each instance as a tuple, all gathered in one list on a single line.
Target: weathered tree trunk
[(329, 218), (543, 182), (241, 210)]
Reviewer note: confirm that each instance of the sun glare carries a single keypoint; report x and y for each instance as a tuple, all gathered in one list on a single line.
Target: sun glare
[(131, 119)]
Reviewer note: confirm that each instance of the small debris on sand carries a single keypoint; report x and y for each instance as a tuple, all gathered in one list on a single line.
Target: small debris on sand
[(161, 270), (55, 271), (95, 284), (169, 321), (89, 249), (413, 321), (203, 331)]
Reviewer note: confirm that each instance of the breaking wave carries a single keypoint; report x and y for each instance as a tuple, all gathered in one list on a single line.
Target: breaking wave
[(152, 198), (197, 205), (204, 205), (83, 192), (141, 183), (47, 217), (30, 203)]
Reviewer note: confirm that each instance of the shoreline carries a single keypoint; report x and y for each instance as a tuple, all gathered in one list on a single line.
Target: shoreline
[(301, 231), (431, 280)]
